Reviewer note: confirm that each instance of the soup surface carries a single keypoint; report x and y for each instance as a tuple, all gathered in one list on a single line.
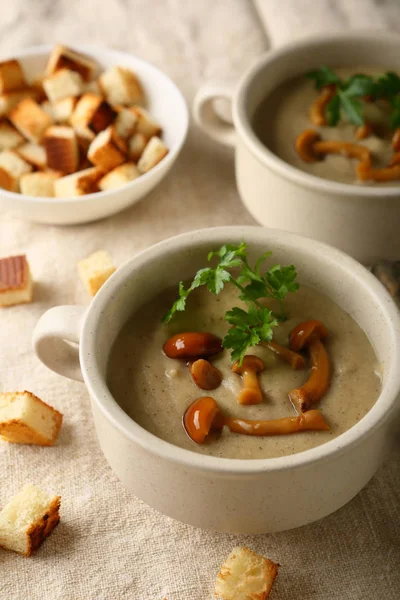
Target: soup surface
[(284, 114), (155, 390)]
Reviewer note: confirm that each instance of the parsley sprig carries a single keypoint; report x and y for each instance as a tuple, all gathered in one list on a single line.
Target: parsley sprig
[(349, 93), (255, 325)]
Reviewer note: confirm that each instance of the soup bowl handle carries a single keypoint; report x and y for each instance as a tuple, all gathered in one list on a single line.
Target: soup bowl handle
[(207, 118), (56, 340)]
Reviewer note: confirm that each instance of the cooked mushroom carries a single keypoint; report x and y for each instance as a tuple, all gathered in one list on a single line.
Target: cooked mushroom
[(192, 344), (366, 173), (251, 366), (305, 145), (396, 140), (347, 149), (364, 131), (205, 375), (295, 360), (317, 110), (199, 417), (309, 335)]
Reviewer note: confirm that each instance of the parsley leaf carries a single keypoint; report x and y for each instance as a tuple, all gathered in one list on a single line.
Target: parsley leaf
[(352, 108), (332, 111), (395, 116), (323, 76), (249, 329)]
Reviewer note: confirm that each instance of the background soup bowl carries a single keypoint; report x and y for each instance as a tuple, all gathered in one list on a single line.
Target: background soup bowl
[(361, 220), (164, 101), (250, 496)]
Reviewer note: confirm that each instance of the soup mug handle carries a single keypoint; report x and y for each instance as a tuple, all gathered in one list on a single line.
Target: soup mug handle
[(207, 118), (56, 340)]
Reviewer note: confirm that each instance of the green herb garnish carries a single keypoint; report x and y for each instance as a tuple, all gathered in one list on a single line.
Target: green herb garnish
[(255, 325), (349, 93)]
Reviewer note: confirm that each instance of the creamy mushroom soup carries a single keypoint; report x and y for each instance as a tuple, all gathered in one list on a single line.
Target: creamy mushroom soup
[(156, 391)]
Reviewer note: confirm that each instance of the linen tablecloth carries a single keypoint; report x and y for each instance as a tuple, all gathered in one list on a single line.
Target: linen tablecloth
[(109, 545)]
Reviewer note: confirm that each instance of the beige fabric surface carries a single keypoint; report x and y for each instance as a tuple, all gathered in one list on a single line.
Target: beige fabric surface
[(109, 545)]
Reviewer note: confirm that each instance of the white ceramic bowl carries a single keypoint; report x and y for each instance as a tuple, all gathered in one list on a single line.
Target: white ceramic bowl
[(249, 496), (164, 101), (362, 220)]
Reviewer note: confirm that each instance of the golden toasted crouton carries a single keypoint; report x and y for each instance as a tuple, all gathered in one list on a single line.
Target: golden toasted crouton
[(85, 137), (30, 119), (105, 151), (63, 109), (152, 154), (245, 576), (63, 83), (146, 124), (37, 90), (33, 154), (62, 150), (11, 169), (28, 519), (11, 76), (10, 100), (119, 176), (9, 136), (136, 145), (125, 122), (39, 184), (78, 184), (93, 88), (120, 86), (16, 285), (25, 419), (48, 108), (65, 58), (93, 112), (95, 270)]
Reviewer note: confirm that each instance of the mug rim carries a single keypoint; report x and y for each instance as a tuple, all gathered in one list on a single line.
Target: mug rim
[(101, 395), (244, 127)]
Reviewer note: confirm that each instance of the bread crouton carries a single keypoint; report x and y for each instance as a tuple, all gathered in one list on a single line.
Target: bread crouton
[(93, 112), (120, 86), (16, 285), (30, 119), (85, 137), (119, 176), (62, 149), (36, 89), (93, 88), (34, 154), (39, 184), (105, 151), (136, 145), (48, 108), (125, 122), (78, 184), (65, 58), (63, 109), (10, 100), (28, 519), (25, 419), (63, 83), (245, 576), (154, 152), (11, 76), (146, 124), (11, 169), (95, 270), (9, 136)]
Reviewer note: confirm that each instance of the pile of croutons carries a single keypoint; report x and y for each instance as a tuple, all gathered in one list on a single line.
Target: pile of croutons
[(74, 132)]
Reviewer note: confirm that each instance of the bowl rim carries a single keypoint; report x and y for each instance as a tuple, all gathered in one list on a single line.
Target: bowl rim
[(168, 159), (244, 127), (104, 401)]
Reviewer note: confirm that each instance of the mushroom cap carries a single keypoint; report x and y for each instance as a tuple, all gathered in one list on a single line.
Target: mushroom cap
[(304, 332), (305, 145), (250, 363)]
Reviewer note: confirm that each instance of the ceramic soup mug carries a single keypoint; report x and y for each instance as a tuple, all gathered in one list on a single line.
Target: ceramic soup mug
[(361, 220), (231, 495)]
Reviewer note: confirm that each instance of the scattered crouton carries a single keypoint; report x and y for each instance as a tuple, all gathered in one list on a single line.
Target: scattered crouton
[(30, 119), (62, 149), (65, 58), (10, 100), (11, 169), (94, 88), (125, 122), (63, 83), (49, 109), (9, 136), (119, 176), (39, 184), (16, 285), (28, 519), (36, 89), (245, 576), (63, 109), (152, 154), (95, 270), (11, 76), (93, 112), (146, 124), (105, 151), (78, 184), (25, 419), (34, 154), (85, 137), (121, 86), (136, 145)]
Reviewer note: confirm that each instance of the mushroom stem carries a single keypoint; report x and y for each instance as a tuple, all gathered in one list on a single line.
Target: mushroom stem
[(311, 420), (318, 382), (317, 110), (295, 360), (347, 149), (251, 392), (366, 173)]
